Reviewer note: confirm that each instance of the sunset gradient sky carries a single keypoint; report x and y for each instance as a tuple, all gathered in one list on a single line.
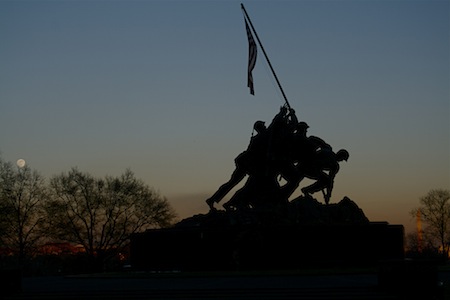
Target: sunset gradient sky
[(160, 87)]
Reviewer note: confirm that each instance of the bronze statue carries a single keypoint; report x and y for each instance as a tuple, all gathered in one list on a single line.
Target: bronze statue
[(282, 150)]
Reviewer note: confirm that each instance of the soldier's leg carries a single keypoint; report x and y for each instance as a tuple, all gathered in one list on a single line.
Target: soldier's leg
[(225, 188), (242, 198), (293, 177), (321, 183)]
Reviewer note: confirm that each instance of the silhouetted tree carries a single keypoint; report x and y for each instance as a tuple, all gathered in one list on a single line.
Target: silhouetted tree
[(435, 213), (23, 193), (101, 214)]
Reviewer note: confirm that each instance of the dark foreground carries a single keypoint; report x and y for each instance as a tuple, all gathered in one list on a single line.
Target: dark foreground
[(212, 286)]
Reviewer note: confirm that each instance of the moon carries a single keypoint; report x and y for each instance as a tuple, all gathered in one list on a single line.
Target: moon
[(20, 163)]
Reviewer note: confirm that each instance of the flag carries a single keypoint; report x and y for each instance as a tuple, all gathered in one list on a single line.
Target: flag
[(252, 51)]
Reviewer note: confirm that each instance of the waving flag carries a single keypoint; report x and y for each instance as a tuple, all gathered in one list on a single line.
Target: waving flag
[(252, 56), (252, 51)]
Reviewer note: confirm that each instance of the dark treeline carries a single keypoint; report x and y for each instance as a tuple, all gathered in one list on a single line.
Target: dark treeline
[(73, 211), (432, 238)]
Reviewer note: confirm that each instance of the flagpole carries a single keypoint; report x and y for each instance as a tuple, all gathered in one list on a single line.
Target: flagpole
[(265, 55)]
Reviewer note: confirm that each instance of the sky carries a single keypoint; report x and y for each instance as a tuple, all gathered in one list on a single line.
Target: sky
[(160, 87)]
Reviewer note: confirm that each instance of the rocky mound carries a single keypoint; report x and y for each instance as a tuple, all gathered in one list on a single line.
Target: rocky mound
[(302, 210)]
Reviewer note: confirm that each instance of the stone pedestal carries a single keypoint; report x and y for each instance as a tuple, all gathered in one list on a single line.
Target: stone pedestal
[(266, 247)]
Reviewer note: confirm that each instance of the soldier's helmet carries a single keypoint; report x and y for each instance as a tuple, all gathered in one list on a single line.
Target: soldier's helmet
[(259, 125), (302, 125), (342, 155)]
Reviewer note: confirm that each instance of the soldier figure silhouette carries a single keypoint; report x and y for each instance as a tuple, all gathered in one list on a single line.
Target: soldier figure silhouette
[(281, 150), (324, 161), (261, 157), (249, 161)]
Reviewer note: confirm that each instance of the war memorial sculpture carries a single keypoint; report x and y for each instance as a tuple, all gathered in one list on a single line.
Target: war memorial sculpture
[(260, 227)]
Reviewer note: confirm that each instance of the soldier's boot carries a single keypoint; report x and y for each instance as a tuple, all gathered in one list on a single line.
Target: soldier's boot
[(210, 203), (307, 192)]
